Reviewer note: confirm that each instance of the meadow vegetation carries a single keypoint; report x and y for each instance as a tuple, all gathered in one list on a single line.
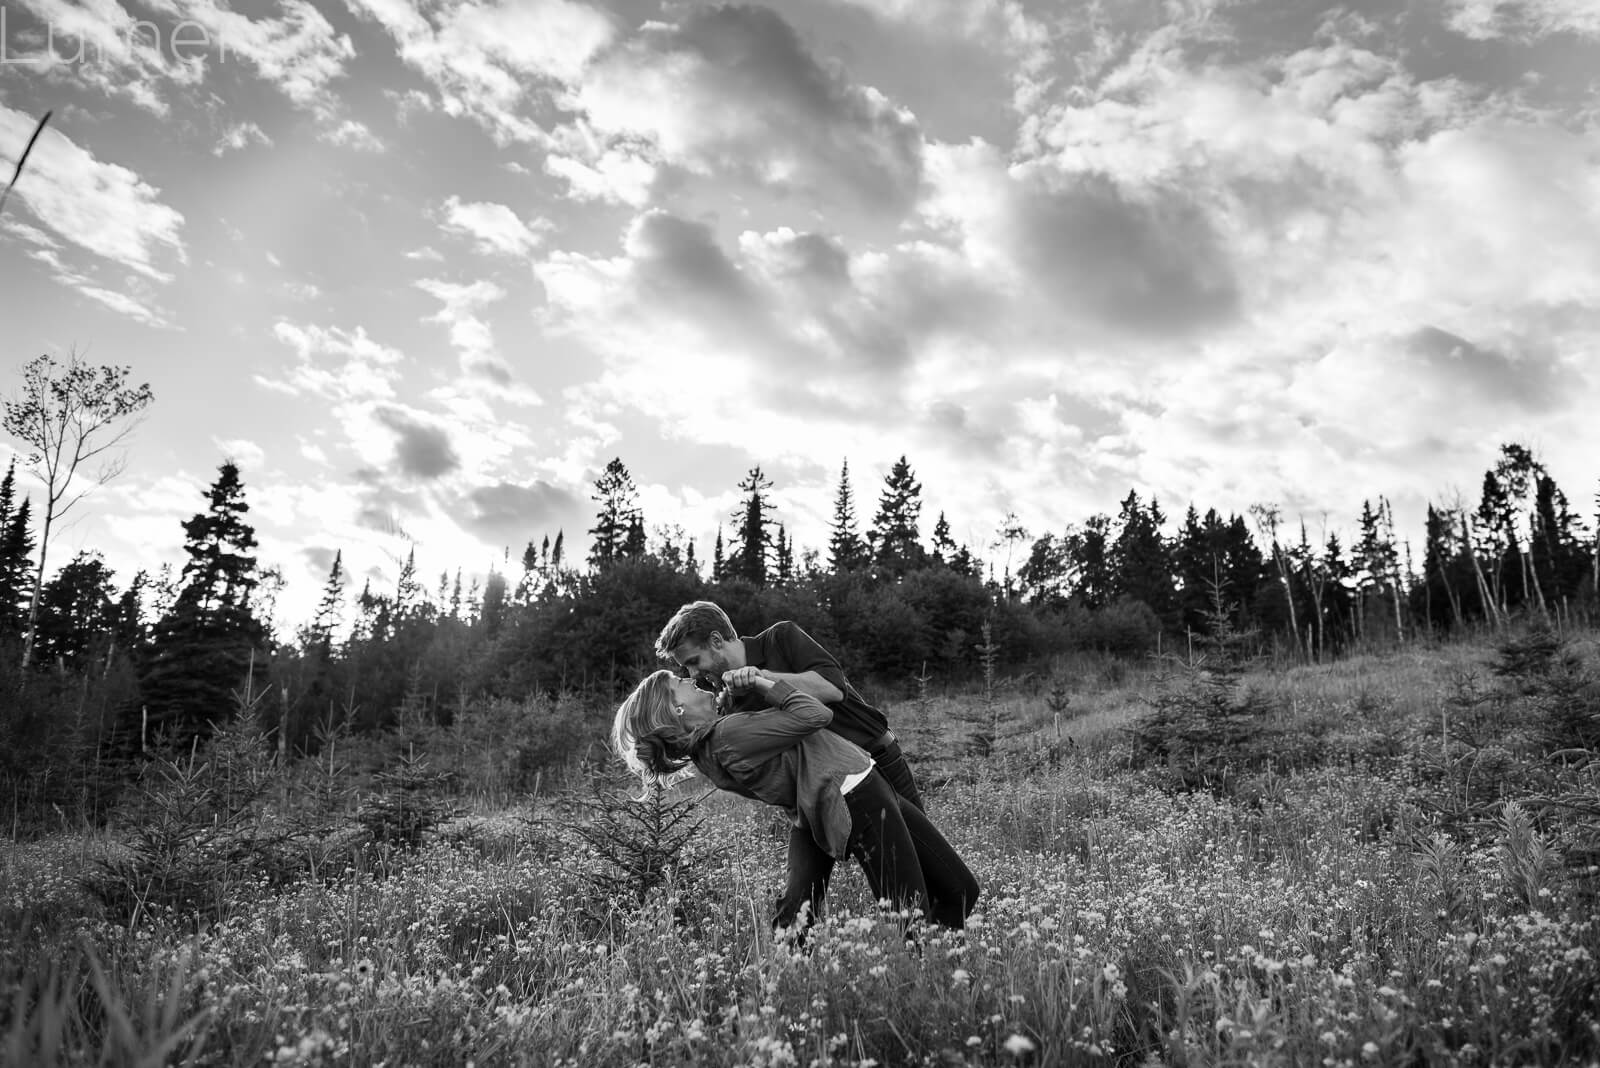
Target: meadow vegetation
[(1390, 859)]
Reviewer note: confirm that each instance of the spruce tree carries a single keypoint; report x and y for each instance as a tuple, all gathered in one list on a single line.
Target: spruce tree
[(896, 549), (617, 497), (719, 562), (785, 568), (407, 590), (204, 647), (1140, 559), (846, 550), (76, 611), (130, 631), (16, 561), (944, 546), (330, 609), (634, 542), (754, 530)]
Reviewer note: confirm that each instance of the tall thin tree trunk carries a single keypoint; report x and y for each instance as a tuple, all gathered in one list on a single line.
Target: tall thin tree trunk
[(1489, 605), (1288, 592)]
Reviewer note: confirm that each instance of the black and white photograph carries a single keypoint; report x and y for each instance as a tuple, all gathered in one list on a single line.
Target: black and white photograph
[(800, 533)]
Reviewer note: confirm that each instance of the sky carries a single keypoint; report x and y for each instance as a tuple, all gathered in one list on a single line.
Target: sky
[(422, 267)]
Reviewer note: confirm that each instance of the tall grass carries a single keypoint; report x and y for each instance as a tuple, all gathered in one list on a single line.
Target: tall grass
[(1345, 910)]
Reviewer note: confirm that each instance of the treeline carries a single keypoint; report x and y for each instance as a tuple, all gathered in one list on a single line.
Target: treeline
[(114, 670)]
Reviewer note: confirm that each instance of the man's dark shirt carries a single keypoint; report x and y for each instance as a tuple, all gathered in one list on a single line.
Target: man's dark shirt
[(785, 647)]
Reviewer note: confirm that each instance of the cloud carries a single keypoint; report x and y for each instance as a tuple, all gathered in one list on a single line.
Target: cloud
[(357, 136), (473, 338), (298, 52), (241, 450), (421, 450), (1149, 265), (614, 173), (1522, 19), (732, 92), (334, 363), (492, 61), (494, 228), (100, 43), (103, 208), (510, 513), (240, 135)]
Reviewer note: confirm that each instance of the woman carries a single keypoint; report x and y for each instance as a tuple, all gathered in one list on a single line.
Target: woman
[(782, 756)]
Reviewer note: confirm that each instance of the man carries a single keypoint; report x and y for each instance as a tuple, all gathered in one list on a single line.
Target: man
[(701, 641)]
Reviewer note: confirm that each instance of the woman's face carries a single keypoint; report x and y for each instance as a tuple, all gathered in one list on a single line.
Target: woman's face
[(699, 706)]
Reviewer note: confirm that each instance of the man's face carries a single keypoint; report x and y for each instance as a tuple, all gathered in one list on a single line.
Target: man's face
[(703, 663)]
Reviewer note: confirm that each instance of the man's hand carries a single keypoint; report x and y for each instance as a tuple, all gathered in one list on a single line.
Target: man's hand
[(743, 680)]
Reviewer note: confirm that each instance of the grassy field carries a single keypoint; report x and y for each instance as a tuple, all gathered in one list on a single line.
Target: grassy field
[(1388, 860)]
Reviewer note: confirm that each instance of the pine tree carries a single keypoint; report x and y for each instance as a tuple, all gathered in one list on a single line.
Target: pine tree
[(755, 529), (1142, 565), (785, 557), (16, 556), (206, 645), (220, 574), (846, 550), (330, 608), (719, 563), (76, 612), (634, 543), (494, 603), (1088, 552), (944, 546), (407, 590), (8, 494), (617, 496), (895, 548), (690, 564), (130, 631)]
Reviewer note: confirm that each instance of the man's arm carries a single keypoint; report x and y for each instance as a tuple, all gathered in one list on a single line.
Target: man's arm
[(807, 682)]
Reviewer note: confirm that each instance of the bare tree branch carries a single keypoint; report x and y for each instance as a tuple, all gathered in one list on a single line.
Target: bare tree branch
[(22, 160)]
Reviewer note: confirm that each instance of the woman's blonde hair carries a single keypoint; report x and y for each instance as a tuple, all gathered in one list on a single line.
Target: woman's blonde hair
[(648, 732)]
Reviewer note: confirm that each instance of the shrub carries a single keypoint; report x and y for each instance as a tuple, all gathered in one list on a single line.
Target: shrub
[(200, 831)]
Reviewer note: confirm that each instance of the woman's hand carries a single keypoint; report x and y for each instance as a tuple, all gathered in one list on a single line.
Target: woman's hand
[(745, 679)]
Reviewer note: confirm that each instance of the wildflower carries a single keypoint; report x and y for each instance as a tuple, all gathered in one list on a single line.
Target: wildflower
[(364, 970), (960, 977), (1369, 1051), (1017, 1045), (974, 1041)]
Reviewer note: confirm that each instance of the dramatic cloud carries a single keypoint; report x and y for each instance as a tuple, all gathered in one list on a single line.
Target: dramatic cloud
[(421, 450), (489, 60), (733, 92), (1214, 251), (510, 513)]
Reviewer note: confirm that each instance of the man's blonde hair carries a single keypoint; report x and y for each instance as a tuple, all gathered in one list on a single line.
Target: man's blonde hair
[(694, 622)]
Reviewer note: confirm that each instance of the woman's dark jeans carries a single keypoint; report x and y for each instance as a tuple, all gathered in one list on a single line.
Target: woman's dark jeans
[(905, 859)]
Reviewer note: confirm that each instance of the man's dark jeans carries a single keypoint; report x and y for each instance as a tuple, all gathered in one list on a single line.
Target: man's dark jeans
[(886, 827), (891, 762)]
